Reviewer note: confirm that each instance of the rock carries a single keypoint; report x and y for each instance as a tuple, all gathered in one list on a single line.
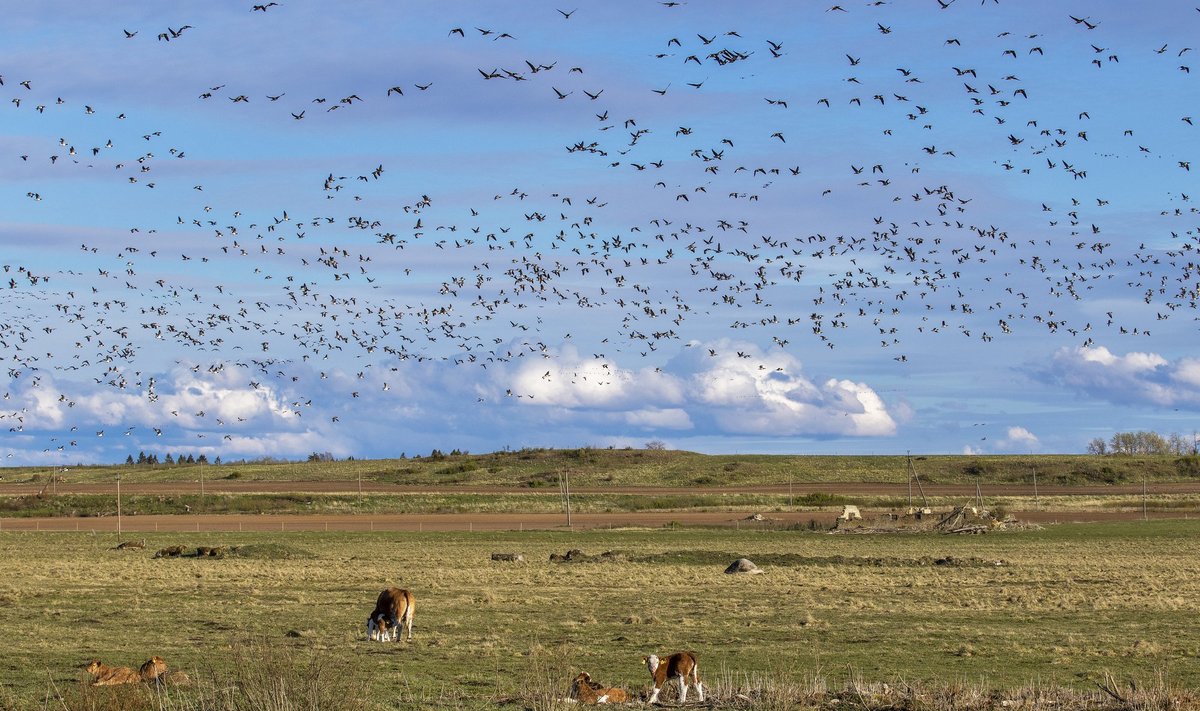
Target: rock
[(743, 565)]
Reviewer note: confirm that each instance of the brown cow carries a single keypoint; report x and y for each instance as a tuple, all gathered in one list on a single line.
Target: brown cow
[(154, 671), (680, 666), (104, 675), (393, 610), (586, 691)]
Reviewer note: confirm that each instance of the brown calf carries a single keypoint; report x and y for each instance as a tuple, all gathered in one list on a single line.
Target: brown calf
[(680, 666)]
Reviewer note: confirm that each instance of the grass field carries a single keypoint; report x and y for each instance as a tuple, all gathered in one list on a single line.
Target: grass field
[(93, 505), (1065, 605), (539, 468)]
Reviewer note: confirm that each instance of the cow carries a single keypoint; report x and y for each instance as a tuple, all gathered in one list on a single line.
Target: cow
[(680, 666), (104, 675), (154, 671), (393, 609), (154, 668), (586, 691)]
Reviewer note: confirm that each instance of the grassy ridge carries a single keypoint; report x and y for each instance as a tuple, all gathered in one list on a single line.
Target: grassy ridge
[(540, 468), (96, 505), (1065, 605)]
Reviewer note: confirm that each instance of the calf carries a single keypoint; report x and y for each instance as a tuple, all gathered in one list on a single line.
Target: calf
[(586, 691), (680, 666), (104, 675), (393, 609)]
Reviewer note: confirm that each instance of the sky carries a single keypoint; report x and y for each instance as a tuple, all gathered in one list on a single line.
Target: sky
[(382, 228)]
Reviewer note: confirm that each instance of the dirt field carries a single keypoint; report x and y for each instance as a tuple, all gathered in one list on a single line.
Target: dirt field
[(493, 522)]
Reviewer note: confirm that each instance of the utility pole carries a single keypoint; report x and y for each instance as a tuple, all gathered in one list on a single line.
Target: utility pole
[(909, 456), (118, 507), (1036, 503), (564, 488), (1145, 516), (913, 475)]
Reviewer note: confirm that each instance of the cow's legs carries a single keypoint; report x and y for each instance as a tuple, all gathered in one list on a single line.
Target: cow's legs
[(683, 687), (654, 695)]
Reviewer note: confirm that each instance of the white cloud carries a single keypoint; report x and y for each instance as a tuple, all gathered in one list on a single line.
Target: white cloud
[(1020, 435), (736, 387), (1136, 377), (572, 381), (713, 389), (671, 418)]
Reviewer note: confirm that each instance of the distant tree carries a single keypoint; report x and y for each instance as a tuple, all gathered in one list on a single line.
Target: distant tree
[(436, 454), (1142, 442), (152, 459), (1097, 446), (168, 459), (202, 459), (191, 459), (141, 458), (129, 460), (320, 457), (1180, 445), (217, 461), (656, 445)]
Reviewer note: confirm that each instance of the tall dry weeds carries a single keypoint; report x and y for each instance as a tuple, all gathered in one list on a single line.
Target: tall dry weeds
[(546, 682), (256, 676)]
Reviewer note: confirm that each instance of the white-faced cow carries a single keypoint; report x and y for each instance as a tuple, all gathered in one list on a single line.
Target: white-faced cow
[(680, 666), (393, 610)]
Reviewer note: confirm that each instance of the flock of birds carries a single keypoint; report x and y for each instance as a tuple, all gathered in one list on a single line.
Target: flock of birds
[(687, 223)]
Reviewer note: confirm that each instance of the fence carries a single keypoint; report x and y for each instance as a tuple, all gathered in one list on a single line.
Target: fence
[(423, 522)]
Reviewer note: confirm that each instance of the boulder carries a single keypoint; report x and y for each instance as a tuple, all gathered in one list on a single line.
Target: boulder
[(743, 565)]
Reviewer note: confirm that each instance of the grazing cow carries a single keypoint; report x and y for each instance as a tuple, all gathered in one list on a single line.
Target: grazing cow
[(104, 675), (393, 609), (586, 691), (680, 666)]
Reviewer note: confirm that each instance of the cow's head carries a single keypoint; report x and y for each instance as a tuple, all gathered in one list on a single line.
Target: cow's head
[(651, 662)]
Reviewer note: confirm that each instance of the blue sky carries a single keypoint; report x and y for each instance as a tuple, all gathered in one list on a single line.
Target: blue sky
[(775, 228)]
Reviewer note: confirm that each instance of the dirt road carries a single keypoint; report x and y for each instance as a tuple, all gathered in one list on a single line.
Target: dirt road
[(482, 522)]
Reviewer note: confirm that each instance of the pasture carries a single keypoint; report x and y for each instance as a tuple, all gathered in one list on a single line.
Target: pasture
[(1064, 606), (589, 466)]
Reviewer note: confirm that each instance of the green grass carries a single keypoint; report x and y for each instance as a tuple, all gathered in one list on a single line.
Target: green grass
[(540, 468), (537, 501), (1069, 603)]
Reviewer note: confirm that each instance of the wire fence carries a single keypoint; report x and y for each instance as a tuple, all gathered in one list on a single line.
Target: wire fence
[(430, 523)]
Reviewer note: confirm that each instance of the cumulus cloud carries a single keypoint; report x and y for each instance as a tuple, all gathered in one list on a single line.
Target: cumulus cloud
[(1018, 439), (734, 387), (572, 381), (1133, 378), (382, 408)]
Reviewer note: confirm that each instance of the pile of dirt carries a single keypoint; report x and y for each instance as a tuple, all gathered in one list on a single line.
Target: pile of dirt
[(261, 551), (197, 552), (577, 556), (743, 565)]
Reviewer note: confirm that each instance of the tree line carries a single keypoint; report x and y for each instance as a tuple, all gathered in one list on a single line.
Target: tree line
[(1144, 442), (143, 458)]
